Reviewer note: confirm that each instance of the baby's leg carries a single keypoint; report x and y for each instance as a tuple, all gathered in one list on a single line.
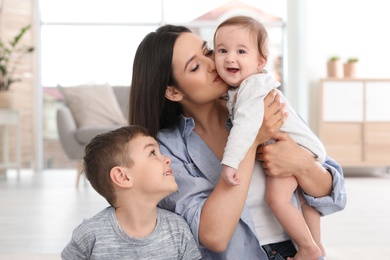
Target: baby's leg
[(278, 195), (312, 218), (229, 174)]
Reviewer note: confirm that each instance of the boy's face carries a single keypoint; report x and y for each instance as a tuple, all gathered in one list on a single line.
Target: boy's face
[(236, 54), (151, 171)]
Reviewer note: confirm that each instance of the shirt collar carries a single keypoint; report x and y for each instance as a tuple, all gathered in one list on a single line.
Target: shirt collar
[(187, 125)]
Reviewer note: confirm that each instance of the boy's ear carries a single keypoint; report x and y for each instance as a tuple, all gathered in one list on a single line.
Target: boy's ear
[(173, 94), (120, 177)]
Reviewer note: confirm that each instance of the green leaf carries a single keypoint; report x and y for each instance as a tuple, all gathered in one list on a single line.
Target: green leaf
[(10, 57)]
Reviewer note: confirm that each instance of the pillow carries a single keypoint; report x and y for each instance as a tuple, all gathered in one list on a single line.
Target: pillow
[(93, 105)]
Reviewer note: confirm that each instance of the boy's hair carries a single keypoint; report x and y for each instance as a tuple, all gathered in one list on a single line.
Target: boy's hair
[(106, 151), (254, 27)]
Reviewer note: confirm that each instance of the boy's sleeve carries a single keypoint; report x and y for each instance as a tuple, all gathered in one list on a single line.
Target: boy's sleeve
[(80, 245), (73, 251), (191, 250)]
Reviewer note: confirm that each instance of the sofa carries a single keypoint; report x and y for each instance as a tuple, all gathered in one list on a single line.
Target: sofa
[(104, 107)]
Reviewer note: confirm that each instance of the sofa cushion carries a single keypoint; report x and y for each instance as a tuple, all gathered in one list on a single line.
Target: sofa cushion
[(122, 96), (93, 105)]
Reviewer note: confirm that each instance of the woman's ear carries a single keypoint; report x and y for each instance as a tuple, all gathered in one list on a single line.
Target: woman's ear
[(120, 177), (173, 94)]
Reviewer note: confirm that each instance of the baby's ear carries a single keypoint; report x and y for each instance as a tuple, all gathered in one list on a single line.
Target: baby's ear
[(120, 177), (173, 94), (261, 64)]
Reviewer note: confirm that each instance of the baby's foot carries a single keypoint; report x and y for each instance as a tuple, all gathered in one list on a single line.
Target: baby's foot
[(323, 253), (307, 253)]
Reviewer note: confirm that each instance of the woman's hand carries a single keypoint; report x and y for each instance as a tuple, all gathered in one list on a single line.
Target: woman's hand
[(286, 158), (283, 158), (274, 117)]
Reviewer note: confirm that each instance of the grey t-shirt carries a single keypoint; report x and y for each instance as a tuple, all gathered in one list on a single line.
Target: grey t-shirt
[(101, 237)]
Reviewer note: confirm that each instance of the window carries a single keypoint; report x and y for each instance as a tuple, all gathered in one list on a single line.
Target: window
[(79, 54), (94, 41)]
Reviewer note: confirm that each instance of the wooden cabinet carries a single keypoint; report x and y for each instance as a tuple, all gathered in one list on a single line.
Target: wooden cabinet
[(354, 121)]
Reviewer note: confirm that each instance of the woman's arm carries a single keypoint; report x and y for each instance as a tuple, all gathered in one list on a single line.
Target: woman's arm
[(222, 210), (323, 184), (287, 158)]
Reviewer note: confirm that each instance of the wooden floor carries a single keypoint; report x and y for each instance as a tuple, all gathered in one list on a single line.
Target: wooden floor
[(38, 212)]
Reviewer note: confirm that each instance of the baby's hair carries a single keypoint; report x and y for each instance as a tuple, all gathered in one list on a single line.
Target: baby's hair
[(255, 28)]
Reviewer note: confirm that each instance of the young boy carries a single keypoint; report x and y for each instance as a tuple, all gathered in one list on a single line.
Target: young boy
[(126, 167), (241, 53)]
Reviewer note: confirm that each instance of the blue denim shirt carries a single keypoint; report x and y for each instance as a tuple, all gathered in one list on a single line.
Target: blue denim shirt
[(197, 171)]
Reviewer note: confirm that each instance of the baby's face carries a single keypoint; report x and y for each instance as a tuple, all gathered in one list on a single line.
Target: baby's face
[(236, 54)]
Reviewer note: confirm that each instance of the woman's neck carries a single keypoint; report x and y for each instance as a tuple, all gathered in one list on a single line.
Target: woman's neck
[(208, 118), (210, 125)]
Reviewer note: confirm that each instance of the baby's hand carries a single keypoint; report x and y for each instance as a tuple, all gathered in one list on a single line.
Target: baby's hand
[(230, 175)]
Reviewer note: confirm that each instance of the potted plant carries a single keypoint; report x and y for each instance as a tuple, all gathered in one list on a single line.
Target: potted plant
[(335, 67), (350, 67), (11, 55)]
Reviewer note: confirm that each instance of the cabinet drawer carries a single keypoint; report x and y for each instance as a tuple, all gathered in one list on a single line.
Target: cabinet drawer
[(379, 154), (341, 133), (342, 101), (345, 154), (377, 134), (377, 101), (354, 121)]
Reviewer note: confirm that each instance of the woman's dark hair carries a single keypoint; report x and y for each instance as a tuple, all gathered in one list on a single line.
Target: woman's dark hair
[(152, 73)]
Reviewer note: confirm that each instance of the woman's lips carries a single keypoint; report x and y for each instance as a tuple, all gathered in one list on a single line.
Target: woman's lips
[(217, 78)]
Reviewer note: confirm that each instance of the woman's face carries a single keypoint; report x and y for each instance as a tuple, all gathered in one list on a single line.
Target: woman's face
[(194, 71)]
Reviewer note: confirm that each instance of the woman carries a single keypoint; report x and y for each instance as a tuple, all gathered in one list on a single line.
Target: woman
[(175, 93)]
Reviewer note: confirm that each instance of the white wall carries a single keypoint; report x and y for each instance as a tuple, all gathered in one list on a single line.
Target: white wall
[(345, 28), (349, 28)]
